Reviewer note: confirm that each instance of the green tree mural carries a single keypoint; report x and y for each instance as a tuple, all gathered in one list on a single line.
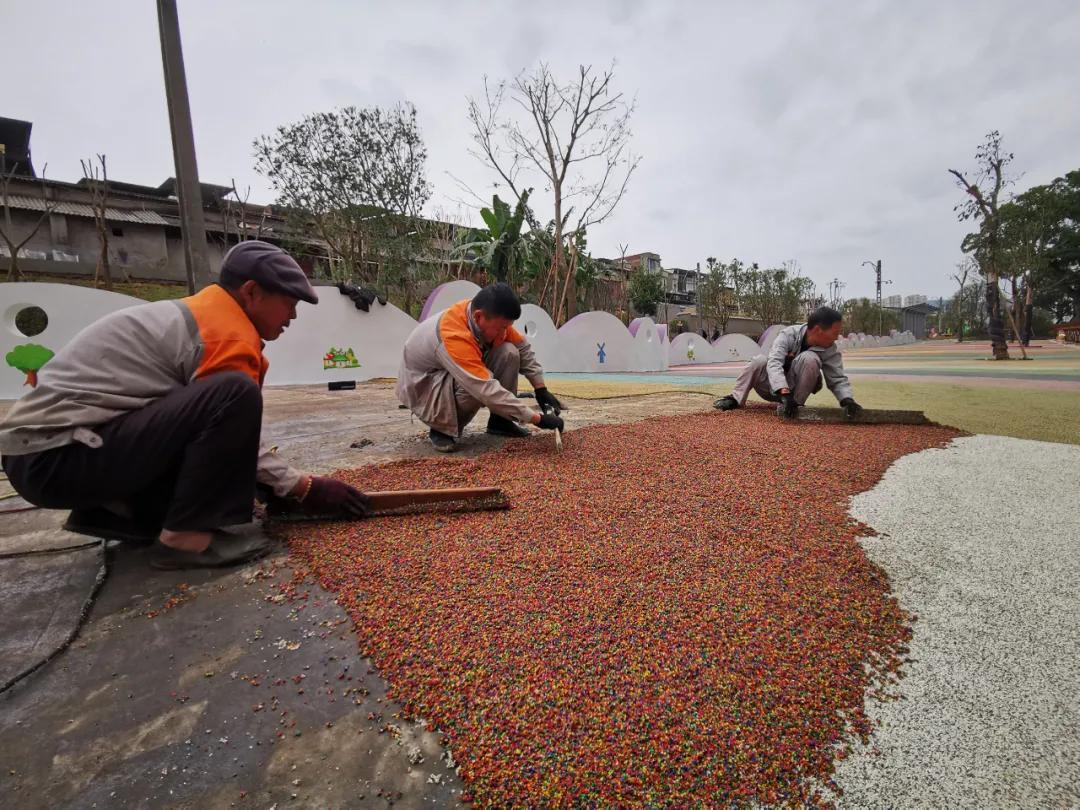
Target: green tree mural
[(29, 358)]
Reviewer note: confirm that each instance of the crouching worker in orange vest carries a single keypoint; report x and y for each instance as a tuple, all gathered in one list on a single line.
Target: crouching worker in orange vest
[(147, 424), (468, 357)]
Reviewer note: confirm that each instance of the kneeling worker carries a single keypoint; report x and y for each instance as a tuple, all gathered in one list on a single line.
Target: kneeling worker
[(793, 368), (147, 424), (467, 358)]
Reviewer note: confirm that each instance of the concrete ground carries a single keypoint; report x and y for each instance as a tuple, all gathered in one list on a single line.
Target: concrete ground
[(226, 689)]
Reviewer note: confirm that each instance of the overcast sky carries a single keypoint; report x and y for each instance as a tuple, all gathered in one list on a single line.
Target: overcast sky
[(815, 131)]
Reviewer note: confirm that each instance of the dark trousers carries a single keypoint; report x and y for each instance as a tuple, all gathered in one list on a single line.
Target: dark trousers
[(185, 462)]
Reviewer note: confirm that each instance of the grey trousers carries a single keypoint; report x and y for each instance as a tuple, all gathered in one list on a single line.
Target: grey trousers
[(803, 378), (504, 364)]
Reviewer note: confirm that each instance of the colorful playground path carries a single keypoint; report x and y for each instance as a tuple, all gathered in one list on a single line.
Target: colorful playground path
[(955, 384), (1048, 361)]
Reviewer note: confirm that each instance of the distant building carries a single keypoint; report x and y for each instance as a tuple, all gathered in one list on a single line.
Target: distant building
[(15, 147), (681, 285), (913, 318), (144, 228), (649, 261), (913, 300), (893, 301), (1068, 332), (144, 223)]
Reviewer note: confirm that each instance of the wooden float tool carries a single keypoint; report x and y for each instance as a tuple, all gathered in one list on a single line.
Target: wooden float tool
[(866, 417), (414, 502)]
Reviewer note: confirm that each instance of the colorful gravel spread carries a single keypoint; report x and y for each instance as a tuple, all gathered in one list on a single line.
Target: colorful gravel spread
[(675, 612)]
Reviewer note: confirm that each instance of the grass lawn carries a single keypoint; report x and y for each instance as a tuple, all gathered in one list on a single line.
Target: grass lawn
[(1025, 413), (146, 290)]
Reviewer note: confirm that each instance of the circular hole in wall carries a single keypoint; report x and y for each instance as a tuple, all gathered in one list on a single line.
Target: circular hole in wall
[(31, 321), (530, 328)]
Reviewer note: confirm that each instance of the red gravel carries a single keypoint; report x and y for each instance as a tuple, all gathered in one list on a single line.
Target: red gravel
[(674, 611)]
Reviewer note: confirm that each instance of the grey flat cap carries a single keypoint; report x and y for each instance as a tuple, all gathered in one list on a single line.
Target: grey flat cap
[(269, 266)]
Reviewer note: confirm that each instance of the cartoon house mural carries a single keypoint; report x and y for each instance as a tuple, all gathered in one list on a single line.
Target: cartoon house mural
[(340, 358)]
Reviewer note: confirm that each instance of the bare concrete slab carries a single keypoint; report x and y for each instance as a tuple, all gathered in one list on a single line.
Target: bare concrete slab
[(47, 593)]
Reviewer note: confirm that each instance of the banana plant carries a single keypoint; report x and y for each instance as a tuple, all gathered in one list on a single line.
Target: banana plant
[(501, 249)]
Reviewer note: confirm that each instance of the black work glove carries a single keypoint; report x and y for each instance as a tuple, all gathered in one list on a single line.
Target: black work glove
[(852, 407), (549, 421), (791, 407), (547, 401), (328, 496)]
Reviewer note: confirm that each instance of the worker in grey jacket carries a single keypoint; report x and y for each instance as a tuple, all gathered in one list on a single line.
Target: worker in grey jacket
[(469, 357), (793, 369), (147, 424)]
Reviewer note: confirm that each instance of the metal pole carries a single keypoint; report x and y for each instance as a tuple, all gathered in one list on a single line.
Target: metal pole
[(877, 268), (192, 225), (697, 294)]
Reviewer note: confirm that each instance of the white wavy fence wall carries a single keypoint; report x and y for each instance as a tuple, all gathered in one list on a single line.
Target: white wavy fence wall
[(332, 340)]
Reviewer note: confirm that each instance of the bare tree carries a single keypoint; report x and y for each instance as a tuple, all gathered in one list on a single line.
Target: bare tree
[(442, 231), (576, 136), (97, 176), (7, 231), (235, 216), (984, 192), (963, 269)]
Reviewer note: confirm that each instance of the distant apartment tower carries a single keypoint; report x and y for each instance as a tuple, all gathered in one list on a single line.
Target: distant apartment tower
[(894, 301), (914, 300)]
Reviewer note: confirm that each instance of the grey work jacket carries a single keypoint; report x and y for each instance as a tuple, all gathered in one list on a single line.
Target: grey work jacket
[(428, 374), (789, 344)]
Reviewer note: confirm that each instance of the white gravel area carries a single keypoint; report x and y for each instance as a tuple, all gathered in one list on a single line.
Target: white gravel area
[(981, 540)]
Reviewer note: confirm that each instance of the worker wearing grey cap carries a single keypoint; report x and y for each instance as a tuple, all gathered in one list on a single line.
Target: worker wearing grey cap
[(147, 424)]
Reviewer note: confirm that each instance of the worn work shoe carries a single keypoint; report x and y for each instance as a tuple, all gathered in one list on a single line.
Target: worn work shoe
[(441, 442), (224, 550), (96, 521), (501, 426), (728, 403)]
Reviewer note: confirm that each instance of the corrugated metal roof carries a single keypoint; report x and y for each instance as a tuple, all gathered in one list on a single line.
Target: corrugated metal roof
[(86, 210)]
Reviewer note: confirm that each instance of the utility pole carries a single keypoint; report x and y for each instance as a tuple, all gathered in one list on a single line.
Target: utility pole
[(836, 287), (877, 270), (192, 225), (697, 294)]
